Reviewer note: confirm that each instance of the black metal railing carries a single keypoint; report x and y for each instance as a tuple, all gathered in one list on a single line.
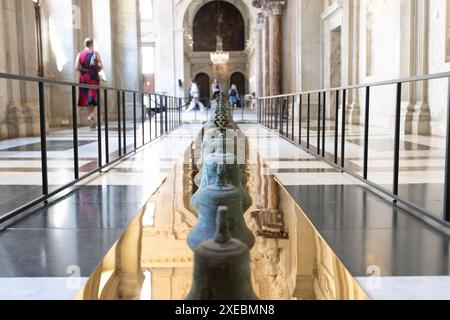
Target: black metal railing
[(163, 114), (282, 112)]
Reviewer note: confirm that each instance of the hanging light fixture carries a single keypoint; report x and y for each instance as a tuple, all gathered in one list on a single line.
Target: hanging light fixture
[(219, 56)]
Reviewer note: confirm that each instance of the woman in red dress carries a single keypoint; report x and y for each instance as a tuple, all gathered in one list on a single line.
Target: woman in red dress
[(89, 63)]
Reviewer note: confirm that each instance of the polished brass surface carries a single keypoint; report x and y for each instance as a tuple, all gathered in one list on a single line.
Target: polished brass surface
[(152, 261)]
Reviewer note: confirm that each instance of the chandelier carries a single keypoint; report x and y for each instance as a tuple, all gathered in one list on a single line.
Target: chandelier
[(219, 56)]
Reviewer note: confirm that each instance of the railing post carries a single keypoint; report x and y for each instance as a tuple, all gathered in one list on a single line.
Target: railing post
[(105, 98), (308, 126), (271, 112), (161, 115), (119, 123), (124, 122), (324, 123), (293, 117), (43, 128), (300, 113), (180, 106), (258, 110), (397, 139), (280, 111), (99, 129), (150, 115), (336, 128), (76, 166), (447, 161), (366, 134), (172, 105), (143, 118), (134, 121), (166, 108), (242, 109), (156, 114), (264, 112), (344, 109), (319, 109)]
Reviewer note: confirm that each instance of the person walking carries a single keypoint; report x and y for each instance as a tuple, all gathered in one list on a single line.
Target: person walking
[(233, 96), (89, 64), (195, 97), (216, 89)]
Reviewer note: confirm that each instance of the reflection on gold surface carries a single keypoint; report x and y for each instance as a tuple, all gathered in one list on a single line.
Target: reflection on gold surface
[(152, 261)]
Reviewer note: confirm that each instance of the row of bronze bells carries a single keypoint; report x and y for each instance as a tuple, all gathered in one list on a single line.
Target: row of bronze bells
[(221, 239)]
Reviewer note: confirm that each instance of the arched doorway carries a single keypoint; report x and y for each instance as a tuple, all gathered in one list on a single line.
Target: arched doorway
[(238, 79), (203, 83)]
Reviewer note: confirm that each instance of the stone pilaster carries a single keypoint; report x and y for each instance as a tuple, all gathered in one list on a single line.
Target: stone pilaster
[(126, 47), (260, 25), (354, 19), (277, 46), (414, 42), (267, 74), (421, 117), (60, 60), (29, 66), (15, 118), (3, 82)]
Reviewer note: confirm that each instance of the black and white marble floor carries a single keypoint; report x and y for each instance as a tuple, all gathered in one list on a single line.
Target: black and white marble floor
[(392, 254), (49, 254)]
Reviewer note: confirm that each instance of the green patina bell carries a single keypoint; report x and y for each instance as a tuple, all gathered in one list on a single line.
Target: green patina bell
[(207, 200), (218, 144), (222, 266), (210, 146), (233, 176)]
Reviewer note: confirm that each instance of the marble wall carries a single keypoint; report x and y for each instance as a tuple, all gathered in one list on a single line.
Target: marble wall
[(383, 40)]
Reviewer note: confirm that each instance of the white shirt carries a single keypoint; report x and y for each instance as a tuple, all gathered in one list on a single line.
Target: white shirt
[(194, 90)]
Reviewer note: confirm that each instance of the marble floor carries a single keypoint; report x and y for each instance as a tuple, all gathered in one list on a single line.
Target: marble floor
[(391, 252), (422, 159), (71, 236)]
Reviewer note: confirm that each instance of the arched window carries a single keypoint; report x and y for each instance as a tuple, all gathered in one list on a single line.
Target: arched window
[(206, 29)]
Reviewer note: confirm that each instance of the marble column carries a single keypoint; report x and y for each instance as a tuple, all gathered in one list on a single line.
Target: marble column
[(421, 116), (28, 66), (260, 25), (15, 119), (3, 82), (60, 58), (354, 21), (267, 74), (414, 61), (126, 46), (277, 46), (407, 67)]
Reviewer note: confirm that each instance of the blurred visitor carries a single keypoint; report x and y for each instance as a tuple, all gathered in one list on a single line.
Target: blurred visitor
[(194, 93), (89, 64)]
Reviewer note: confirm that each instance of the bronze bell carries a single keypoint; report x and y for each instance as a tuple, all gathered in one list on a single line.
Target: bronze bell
[(222, 266), (207, 200), (210, 146), (234, 176)]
